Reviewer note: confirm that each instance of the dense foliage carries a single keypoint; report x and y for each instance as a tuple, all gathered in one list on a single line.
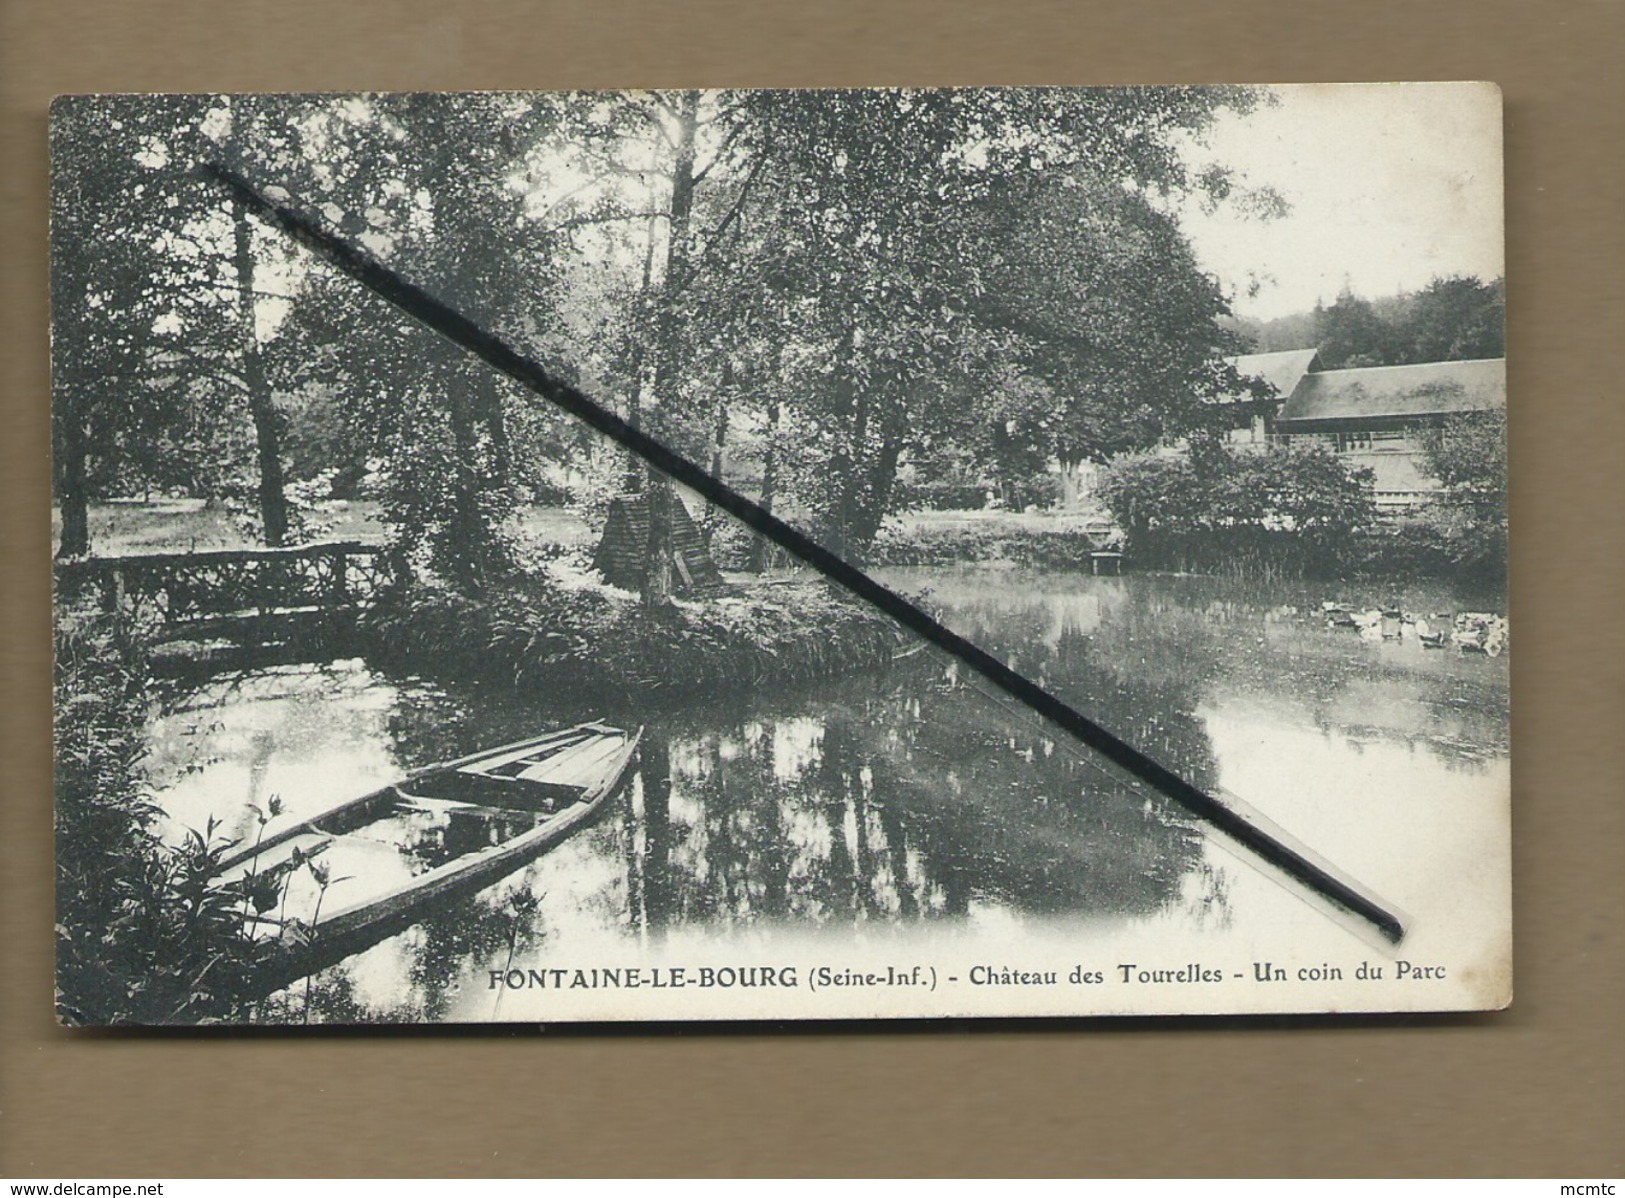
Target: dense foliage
[(827, 286), (200, 353), (1294, 509), (145, 931), (1060, 547), (1468, 454), (1453, 318), (938, 277), (544, 639)]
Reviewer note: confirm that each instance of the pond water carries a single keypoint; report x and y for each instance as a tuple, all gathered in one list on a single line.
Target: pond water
[(901, 811)]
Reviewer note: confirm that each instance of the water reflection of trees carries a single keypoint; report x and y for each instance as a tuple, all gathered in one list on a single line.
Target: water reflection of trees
[(424, 966), (897, 797), (480, 930), (912, 796), (1265, 641)]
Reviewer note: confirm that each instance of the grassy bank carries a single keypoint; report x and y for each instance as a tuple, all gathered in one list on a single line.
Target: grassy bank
[(1411, 549), (1059, 541), (551, 639), (1418, 547), (121, 527)]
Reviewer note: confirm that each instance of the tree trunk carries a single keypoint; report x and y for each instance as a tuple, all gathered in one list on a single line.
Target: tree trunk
[(658, 551), (632, 477), (72, 492), (267, 420), (879, 480), (719, 437), (657, 582), (858, 493), (770, 483), (674, 277), (465, 553), (1076, 484), (844, 462), (495, 421), (866, 493)]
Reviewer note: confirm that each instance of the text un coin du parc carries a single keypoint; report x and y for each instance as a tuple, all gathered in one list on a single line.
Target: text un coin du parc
[(822, 977)]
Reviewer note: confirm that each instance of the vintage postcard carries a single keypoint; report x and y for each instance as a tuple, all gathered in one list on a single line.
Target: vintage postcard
[(719, 555)]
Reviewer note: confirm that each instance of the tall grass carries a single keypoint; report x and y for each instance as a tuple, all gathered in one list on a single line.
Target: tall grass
[(554, 640)]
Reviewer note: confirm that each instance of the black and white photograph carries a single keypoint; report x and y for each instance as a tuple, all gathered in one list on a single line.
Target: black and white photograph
[(780, 555)]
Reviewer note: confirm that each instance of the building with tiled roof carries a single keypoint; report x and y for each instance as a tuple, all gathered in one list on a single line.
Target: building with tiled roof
[(1372, 417), (1375, 417)]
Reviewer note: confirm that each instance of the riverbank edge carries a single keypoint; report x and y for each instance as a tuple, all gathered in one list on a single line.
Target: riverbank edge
[(1410, 550), (1057, 548), (547, 640)]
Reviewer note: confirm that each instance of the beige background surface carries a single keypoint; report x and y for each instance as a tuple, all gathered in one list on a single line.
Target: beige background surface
[(1535, 1091)]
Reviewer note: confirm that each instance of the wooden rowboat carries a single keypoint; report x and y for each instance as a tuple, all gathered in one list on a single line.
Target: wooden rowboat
[(336, 880)]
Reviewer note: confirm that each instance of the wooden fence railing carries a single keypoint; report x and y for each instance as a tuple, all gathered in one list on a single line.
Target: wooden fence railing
[(176, 595)]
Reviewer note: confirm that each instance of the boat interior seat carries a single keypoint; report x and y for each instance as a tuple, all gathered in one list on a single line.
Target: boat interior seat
[(488, 790), (512, 769)]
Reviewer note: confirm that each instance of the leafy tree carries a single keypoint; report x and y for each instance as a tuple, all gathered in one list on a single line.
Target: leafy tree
[(873, 246), (111, 390), (1453, 318), (1467, 453), (1112, 315), (1217, 507), (997, 432), (632, 207), (831, 277), (1456, 318), (1351, 334), (216, 336), (428, 186), (189, 399)]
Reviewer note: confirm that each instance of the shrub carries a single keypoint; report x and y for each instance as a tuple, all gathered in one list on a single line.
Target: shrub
[(960, 495), (732, 544), (1284, 510), (1468, 455), (145, 932), (545, 639), (1440, 540), (1041, 490), (1060, 548)]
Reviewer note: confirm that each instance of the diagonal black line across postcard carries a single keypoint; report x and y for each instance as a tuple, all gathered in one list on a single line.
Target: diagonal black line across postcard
[(492, 350)]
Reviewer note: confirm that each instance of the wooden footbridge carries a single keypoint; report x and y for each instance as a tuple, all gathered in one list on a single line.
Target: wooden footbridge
[(226, 607)]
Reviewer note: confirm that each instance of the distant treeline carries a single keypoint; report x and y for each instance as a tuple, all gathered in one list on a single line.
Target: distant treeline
[(1451, 319)]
